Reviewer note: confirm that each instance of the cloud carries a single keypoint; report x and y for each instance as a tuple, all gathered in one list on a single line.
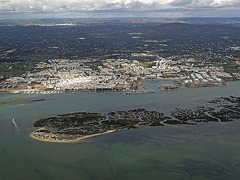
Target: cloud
[(194, 4), (77, 6), (181, 2), (93, 5)]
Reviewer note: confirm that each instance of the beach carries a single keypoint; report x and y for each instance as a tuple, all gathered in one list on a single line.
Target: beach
[(33, 135)]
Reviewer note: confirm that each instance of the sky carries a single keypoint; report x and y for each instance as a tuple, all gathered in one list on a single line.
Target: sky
[(27, 9)]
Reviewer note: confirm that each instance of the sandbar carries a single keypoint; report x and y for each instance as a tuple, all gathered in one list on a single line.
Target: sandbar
[(32, 135)]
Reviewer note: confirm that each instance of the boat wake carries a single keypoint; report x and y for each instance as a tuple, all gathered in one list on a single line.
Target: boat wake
[(15, 125)]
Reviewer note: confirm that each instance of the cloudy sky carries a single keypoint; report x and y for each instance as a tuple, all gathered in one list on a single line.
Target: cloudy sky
[(118, 8)]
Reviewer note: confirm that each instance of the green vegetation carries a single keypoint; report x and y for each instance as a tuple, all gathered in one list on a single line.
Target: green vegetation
[(49, 89), (228, 65), (146, 64), (1, 103), (231, 68), (34, 43), (14, 68), (94, 64), (18, 100), (14, 101), (230, 79)]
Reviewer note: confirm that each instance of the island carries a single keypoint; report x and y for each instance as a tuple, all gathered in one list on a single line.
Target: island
[(20, 101), (73, 127)]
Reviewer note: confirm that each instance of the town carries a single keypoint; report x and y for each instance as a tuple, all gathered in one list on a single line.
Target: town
[(116, 57), (128, 76)]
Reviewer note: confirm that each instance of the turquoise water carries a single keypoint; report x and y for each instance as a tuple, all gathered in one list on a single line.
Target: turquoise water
[(205, 151)]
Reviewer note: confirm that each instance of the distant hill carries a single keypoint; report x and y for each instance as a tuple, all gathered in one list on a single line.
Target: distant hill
[(188, 30), (78, 21)]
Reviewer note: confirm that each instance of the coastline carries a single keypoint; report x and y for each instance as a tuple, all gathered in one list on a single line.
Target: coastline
[(86, 125), (68, 141)]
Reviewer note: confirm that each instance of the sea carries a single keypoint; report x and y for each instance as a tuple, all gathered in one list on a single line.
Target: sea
[(181, 152)]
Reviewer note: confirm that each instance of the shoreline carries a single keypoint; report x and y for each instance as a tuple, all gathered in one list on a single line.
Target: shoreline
[(17, 91), (68, 141), (35, 91)]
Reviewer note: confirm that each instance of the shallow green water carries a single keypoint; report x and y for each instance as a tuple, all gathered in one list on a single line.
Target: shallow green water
[(205, 151)]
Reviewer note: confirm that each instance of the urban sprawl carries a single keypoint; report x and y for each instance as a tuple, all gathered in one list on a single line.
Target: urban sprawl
[(128, 76)]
